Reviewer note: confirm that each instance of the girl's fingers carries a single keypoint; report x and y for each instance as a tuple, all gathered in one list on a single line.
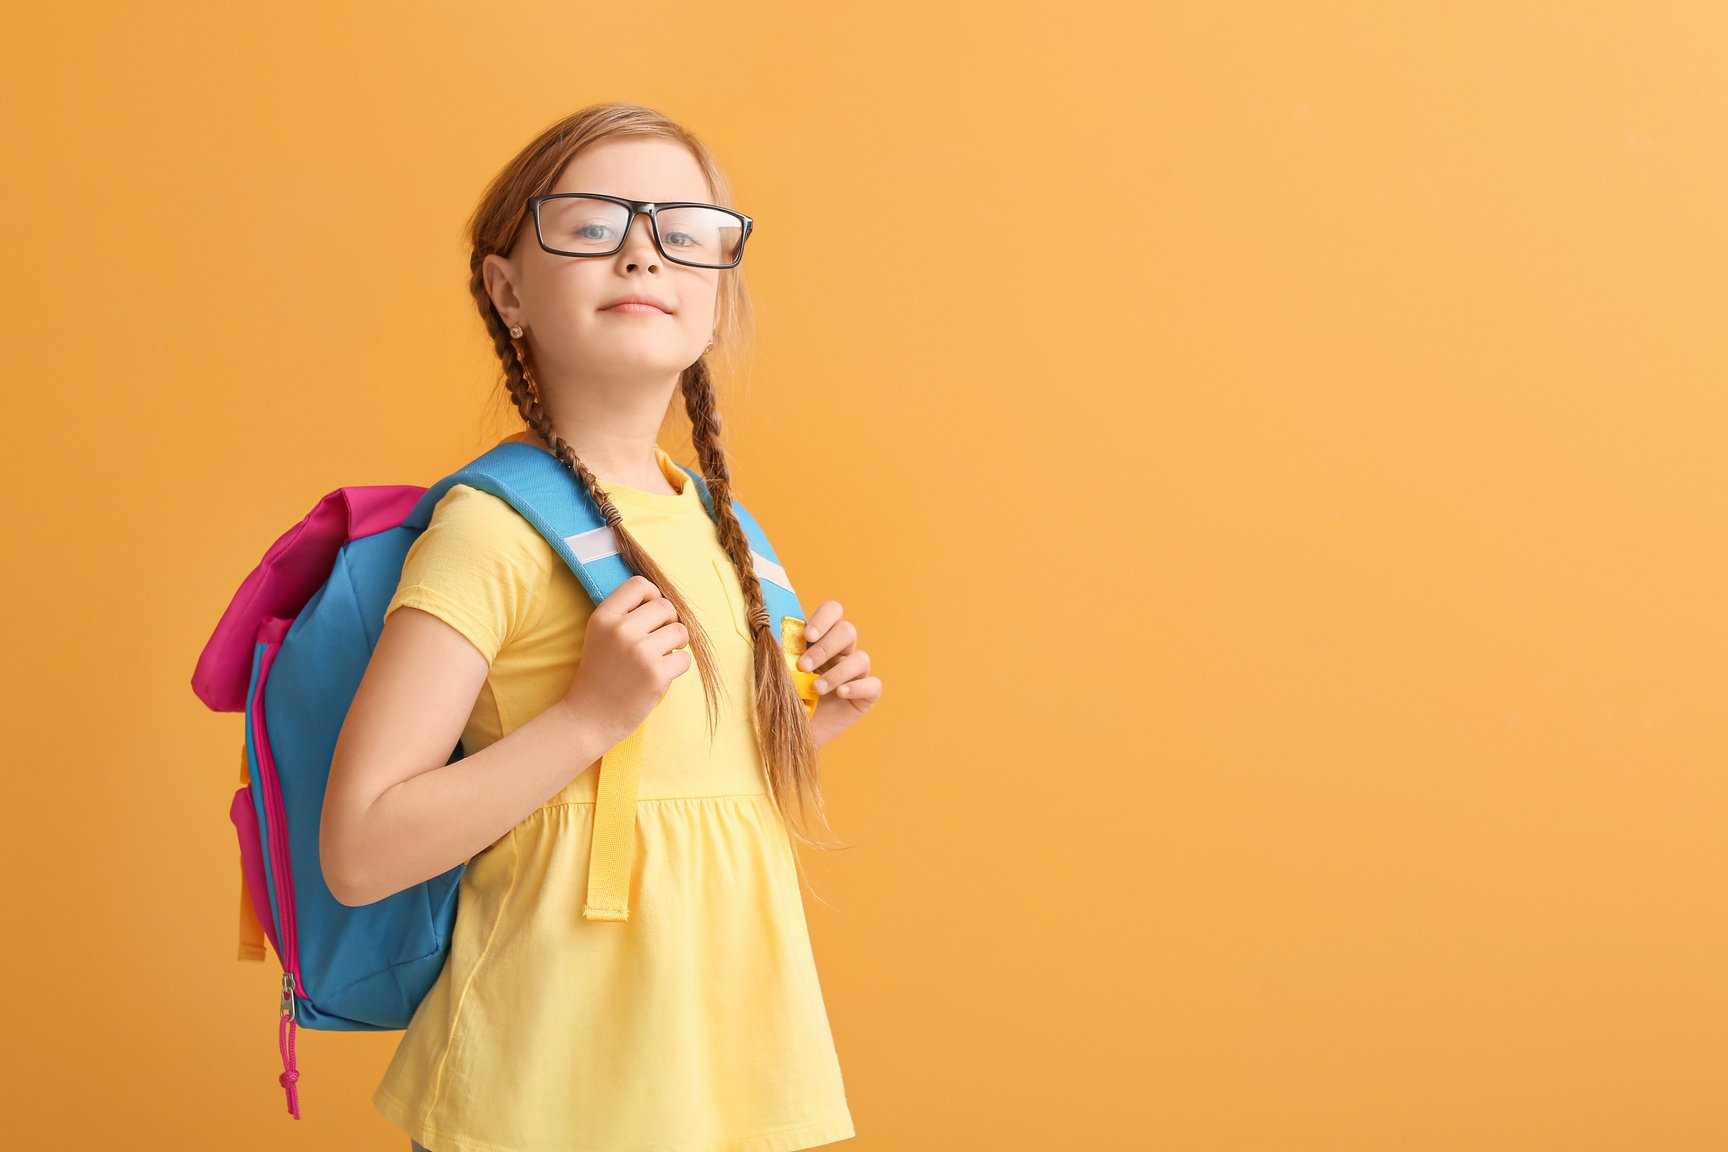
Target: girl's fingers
[(840, 639), (849, 667), (821, 619), (863, 690)]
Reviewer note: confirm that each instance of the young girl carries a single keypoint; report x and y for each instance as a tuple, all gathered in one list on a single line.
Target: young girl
[(696, 1023)]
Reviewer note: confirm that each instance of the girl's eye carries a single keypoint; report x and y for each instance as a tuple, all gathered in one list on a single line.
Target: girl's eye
[(680, 239), (593, 232)]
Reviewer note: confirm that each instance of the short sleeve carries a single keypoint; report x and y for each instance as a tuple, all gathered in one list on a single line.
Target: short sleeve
[(478, 567)]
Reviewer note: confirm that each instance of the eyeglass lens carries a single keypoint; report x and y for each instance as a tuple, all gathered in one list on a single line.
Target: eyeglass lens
[(586, 225)]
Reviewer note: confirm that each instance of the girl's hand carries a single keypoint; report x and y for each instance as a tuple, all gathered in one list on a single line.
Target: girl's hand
[(843, 690), (635, 648)]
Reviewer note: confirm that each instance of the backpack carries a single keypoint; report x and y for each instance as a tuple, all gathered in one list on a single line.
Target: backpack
[(290, 651)]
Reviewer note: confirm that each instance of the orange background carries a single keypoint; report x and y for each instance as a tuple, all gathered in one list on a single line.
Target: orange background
[(1273, 454)]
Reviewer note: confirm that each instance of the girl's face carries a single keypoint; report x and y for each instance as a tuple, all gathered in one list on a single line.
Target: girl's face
[(562, 302)]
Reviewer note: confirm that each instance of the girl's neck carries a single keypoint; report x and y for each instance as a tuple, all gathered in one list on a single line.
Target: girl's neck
[(657, 482)]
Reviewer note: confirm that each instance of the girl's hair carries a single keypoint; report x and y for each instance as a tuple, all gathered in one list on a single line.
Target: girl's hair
[(783, 729)]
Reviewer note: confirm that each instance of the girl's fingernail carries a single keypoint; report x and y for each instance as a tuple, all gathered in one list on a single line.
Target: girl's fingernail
[(821, 685)]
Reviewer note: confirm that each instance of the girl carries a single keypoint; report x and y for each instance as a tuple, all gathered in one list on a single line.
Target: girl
[(697, 1024)]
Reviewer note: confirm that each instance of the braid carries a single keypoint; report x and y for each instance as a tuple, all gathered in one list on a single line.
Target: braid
[(787, 746)]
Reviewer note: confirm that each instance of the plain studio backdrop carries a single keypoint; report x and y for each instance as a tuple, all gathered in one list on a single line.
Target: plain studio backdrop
[(1273, 454)]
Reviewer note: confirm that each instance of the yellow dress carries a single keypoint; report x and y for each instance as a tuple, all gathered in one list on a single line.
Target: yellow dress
[(698, 1024)]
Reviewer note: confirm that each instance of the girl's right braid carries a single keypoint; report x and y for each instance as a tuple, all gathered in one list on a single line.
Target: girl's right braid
[(789, 748)]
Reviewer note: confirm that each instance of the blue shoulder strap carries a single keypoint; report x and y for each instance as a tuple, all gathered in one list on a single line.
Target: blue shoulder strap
[(536, 484)]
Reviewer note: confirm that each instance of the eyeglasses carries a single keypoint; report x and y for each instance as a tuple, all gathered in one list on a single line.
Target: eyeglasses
[(685, 232)]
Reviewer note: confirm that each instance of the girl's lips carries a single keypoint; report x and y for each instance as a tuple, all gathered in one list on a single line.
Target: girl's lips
[(634, 308)]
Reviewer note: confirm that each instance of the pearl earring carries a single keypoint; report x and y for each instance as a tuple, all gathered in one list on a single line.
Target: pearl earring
[(516, 331)]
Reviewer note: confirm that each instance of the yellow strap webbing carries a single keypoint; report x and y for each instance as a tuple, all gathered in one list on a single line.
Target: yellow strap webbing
[(614, 831)]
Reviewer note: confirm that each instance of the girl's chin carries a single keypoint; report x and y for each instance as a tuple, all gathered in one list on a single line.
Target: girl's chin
[(646, 359)]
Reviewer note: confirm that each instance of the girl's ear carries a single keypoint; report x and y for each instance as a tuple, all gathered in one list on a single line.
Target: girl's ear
[(500, 280)]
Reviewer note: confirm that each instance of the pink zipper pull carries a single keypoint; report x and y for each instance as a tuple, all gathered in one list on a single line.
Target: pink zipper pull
[(285, 1040)]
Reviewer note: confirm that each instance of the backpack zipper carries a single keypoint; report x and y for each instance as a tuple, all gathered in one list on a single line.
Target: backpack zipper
[(276, 828)]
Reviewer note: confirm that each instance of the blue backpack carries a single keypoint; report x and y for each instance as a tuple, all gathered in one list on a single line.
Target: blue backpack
[(290, 651)]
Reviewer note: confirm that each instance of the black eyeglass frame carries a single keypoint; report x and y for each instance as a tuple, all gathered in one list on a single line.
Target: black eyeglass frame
[(648, 208)]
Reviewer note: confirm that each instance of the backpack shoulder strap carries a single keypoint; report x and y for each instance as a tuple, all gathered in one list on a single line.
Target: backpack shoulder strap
[(538, 486), (543, 492)]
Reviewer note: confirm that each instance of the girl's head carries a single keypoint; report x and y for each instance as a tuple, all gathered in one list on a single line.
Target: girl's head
[(561, 301), (569, 359)]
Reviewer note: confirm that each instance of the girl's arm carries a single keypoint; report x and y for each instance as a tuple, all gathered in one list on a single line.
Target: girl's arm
[(395, 814)]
